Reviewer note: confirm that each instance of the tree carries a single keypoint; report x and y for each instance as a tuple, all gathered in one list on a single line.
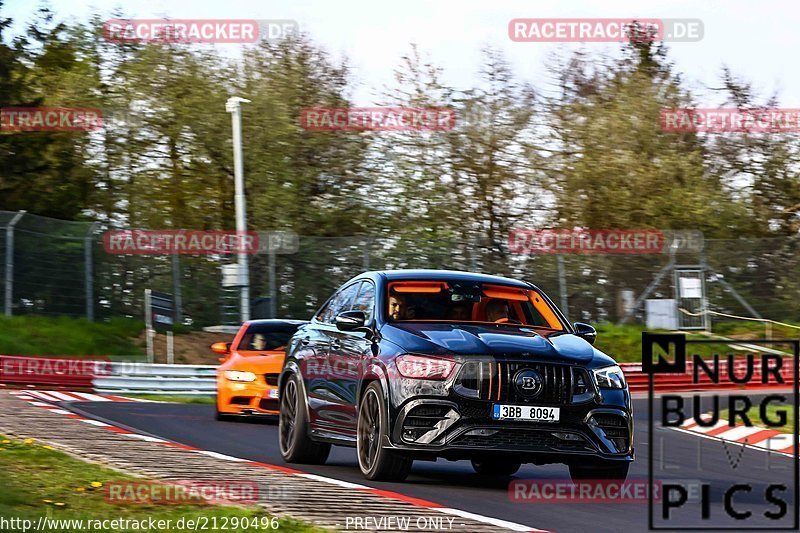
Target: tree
[(494, 157), (310, 182), (44, 172), (616, 167)]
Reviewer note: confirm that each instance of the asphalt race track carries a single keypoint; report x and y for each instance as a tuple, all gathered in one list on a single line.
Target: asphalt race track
[(454, 484)]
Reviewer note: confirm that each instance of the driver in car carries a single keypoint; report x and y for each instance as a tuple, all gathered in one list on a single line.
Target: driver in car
[(497, 311), (397, 307), (259, 342)]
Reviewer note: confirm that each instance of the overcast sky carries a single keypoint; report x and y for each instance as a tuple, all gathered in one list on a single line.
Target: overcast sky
[(759, 40)]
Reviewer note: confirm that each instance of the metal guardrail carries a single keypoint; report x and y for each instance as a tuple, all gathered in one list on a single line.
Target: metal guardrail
[(141, 378), (167, 371)]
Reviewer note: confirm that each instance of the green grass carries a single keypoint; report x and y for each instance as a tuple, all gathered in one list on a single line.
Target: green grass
[(754, 414), (36, 335), (37, 481), (174, 398), (755, 330), (623, 343)]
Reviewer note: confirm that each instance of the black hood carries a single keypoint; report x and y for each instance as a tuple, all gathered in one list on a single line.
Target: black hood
[(498, 341)]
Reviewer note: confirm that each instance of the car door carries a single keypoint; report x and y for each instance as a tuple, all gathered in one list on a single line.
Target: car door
[(313, 345), (348, 354), (322, 377)]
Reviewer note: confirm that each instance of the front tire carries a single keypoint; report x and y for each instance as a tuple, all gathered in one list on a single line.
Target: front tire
[(495, 467), (295, 444), (602, 471), (375, 461)]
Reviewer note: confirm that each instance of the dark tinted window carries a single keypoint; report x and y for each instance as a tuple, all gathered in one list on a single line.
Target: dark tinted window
[(265, 337), (341, 301), (365, 301)]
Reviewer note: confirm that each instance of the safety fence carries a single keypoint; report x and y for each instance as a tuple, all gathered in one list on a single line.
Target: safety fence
[(57, 267)]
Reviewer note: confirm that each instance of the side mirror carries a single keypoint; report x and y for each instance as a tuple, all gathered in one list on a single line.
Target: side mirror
[(586, 332), (350, 320), (223, 348)]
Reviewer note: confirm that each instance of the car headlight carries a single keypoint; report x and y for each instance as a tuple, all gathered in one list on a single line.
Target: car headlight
[(237, 375), (424, 367), (609, 377)]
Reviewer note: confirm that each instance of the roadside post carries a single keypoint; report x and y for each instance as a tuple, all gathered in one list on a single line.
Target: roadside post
[(159, 316), (10, 262), (148, 326), (232, 107)]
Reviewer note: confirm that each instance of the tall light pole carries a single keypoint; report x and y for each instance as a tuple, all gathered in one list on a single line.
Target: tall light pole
[(232, 107)]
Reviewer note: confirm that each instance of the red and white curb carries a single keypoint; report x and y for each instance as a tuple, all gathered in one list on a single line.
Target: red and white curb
[(36, 397), (65, 396), (755, 437)]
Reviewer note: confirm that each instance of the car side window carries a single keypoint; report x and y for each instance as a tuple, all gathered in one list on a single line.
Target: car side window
[(365, 301), (341, 301), (323, 312)]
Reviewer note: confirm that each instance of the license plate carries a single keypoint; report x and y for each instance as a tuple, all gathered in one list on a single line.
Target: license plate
[(525, 412)]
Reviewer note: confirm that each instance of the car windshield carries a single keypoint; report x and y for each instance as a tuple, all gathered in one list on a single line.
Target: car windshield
[(266, 337), (469, 301)]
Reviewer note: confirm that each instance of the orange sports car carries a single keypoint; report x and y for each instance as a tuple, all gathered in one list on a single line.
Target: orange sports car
[(247, 378)]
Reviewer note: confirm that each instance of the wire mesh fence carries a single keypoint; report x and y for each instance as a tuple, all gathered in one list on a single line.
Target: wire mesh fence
[(60, 267)]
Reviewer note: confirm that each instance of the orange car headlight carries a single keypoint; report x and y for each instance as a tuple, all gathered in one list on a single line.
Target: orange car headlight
[(237, 375)]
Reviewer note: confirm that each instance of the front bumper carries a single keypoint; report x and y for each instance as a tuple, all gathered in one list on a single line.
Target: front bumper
[(247, 398), (464, 429)]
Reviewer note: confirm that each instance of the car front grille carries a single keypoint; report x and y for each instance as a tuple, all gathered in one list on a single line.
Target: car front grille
[(520, 439), (494, 380)]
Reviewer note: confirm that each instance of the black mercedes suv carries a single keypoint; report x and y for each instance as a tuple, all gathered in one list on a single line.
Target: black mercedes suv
[(421, 364)]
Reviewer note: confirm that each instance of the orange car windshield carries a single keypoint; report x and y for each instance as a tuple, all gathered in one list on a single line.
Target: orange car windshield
[(265, 338), (467, 301)]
